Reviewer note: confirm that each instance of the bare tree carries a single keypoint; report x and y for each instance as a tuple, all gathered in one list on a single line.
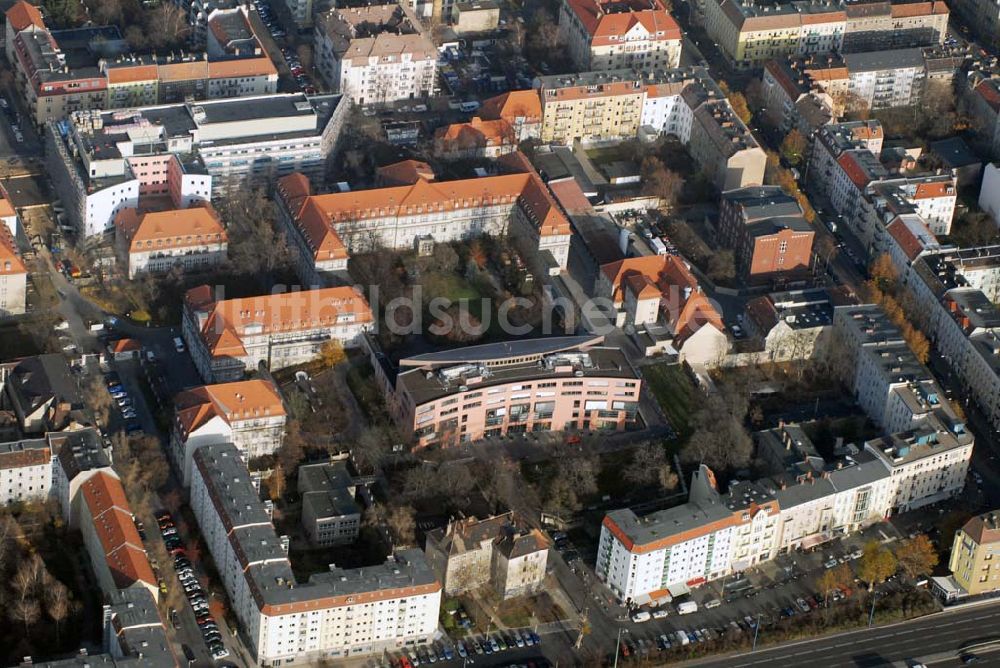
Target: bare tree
[(402, 524), (57, 600), (27, 611)]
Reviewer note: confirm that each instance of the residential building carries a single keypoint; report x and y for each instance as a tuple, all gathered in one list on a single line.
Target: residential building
[(474, 139), (522, 109), (62, 71), (13, 272), (43, 393), (302, 12), (884, 79), (249, 414), (171, 156), (661, 290), (525, 385), (375, 54), (25, 471), (982, 93), (228, 337), (193, 239), (334, 614), (973, 552), (978, 267), (770, 238), (325, 228), (666, 552), (475, 16), (805, 92), (330, 515), (751, 34), (683, 102), (76, 456), (117, 556), (617, 34), (928, 463), (792, 325), (502, 551)]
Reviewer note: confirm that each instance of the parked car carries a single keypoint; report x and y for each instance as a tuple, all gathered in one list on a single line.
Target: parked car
[(641, 616)]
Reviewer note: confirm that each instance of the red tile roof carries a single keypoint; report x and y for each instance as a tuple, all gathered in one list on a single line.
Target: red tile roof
[(513, 105), (615, 19), (23, 14), (243, 400)]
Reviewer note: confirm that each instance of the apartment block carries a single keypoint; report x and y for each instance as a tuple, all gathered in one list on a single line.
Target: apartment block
[(333, 615), (25, 471), (750, 34), (792, 324), (683, 102), (503, 123), (983, 95), (171, 156), (249, 414), (42, 393), (620, 34), (330, 515), (805, 92), (501, 551), (228, 337), (885, 79), (660, 291), (525, 385), (326, 228), (62, 71), (375, 54), (975, 550), (771, 240), (192, 239), (804, 501)]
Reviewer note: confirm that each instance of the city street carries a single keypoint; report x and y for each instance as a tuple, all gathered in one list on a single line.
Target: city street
[(934, 640)]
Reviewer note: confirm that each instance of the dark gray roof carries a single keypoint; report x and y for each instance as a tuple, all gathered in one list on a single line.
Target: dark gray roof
[(491, 352), (954, 152), (894, 59), (43, 377)]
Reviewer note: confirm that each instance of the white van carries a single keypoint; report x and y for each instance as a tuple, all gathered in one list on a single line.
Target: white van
[(687, 607), (682, 638), (641, 616), (469, 107)]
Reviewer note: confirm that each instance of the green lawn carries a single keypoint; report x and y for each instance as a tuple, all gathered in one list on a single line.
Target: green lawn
[(675, 392)]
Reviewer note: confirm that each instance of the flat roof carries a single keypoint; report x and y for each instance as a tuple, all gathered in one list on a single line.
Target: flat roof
[(493, 352)]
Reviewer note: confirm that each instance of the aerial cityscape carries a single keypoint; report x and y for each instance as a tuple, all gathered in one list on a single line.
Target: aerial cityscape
[(526, 334)]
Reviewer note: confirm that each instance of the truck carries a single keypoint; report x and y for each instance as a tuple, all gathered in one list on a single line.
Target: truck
[(687, 607), (658, 246)]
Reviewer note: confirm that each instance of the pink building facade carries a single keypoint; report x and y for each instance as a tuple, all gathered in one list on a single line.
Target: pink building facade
[(536, 385)]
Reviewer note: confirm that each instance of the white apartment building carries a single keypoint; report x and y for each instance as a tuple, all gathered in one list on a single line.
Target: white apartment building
[(614, 35), (193, 239), (172, 156), (249, 414), (927, 464), (25, 471), (227, 338), (335, 614), (375, 54), (885, 79)]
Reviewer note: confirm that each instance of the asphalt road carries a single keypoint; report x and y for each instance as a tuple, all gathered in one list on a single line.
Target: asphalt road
[(936, 639)]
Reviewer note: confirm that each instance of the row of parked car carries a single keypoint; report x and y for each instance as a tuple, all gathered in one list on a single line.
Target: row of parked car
[(192, 589), (124, 401), (470, 646)]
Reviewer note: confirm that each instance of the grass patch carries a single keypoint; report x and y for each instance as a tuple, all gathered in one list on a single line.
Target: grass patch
[(675, 392)]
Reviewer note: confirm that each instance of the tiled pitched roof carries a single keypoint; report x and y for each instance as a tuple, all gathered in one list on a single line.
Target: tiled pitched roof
[(514, 104), (175, 228), (243, 400), (23, 14), (405, 173), (241, 67), (112, 519), (603, 24), (227, 321)]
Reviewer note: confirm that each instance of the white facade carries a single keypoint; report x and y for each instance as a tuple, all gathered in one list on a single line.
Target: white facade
[(25, 471)]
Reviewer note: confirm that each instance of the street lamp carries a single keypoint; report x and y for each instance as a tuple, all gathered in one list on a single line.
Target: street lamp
[(618, 646), (756, 632), (871, 615)]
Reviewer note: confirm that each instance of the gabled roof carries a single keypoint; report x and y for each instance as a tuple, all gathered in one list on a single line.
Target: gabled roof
[(604, 20), (175, 228), (10, 260), (512, 105), (405, 173), (111, 516), (23, 14), (225, 322), (243, 400), (476, 133), (241, 67), (684, 306), (911, 234)]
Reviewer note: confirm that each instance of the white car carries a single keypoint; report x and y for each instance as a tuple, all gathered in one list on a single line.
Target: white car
[(641, 616), (660, 614)]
